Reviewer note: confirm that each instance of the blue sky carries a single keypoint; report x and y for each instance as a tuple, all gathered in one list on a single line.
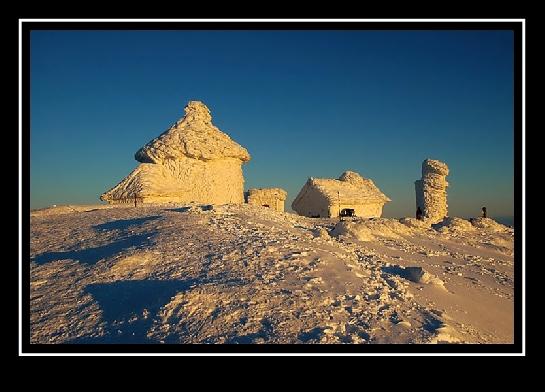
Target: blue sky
[(304, 103)]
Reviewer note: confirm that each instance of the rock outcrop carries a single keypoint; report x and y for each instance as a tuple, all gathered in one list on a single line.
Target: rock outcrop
[(267, 197), (431, 191), (193, 161)]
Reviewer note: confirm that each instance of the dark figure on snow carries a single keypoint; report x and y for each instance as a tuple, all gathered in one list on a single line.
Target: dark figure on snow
[(484, 212), (419, 213)]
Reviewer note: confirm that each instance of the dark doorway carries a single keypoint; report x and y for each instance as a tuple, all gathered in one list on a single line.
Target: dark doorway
[(348, 212)]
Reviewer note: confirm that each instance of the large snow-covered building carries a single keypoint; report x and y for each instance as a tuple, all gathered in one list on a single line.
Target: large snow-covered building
[(193, 161)]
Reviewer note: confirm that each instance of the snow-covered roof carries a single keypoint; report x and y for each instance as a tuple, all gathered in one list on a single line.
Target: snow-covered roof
[(350, 188), (276, 192), (193, 136)]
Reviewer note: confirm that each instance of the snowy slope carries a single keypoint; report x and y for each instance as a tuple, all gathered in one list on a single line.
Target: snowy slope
[(247, 274)]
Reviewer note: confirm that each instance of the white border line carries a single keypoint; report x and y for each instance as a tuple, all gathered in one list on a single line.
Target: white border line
[(523, 218), (272, 20), (523, 21), (20, 182), (273, 355)]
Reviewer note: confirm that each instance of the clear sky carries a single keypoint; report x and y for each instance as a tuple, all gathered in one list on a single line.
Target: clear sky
[(304, 103)]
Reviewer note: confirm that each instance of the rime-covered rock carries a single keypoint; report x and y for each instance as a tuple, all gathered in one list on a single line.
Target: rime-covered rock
[(431, 190)]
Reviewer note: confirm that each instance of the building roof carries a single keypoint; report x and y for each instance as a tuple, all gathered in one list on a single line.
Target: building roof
[(350, 188), (277, 192), (193, 136)]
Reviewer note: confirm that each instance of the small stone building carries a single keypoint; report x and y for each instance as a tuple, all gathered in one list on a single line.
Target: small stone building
[(267, 197), (193, 161), (324, 197)]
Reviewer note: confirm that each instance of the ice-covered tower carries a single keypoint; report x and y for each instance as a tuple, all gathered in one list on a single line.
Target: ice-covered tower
[(431, 190)]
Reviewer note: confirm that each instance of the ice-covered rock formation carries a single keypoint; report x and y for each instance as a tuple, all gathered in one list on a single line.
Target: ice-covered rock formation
[(431, 190), (193, 161)]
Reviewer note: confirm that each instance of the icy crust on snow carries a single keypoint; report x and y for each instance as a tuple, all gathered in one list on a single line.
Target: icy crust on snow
[(473, 224), (454, 224), (202, 273), (370, 229)]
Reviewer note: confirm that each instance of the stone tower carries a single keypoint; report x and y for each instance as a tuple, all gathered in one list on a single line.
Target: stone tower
[(431, 190)]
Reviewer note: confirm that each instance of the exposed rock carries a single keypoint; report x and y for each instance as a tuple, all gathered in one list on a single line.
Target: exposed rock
[(267, 197), (431, 190), (193, 161)]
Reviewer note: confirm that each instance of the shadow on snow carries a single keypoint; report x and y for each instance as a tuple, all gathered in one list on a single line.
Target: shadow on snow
[(93, 255), (124, 224), (129, 308)]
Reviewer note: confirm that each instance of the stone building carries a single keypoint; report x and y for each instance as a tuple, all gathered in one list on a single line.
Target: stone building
[(193, 161), (324, 197), (431, 191), (267, 197)]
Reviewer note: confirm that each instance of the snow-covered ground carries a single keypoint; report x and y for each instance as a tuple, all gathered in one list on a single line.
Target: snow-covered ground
[(247, 274)]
